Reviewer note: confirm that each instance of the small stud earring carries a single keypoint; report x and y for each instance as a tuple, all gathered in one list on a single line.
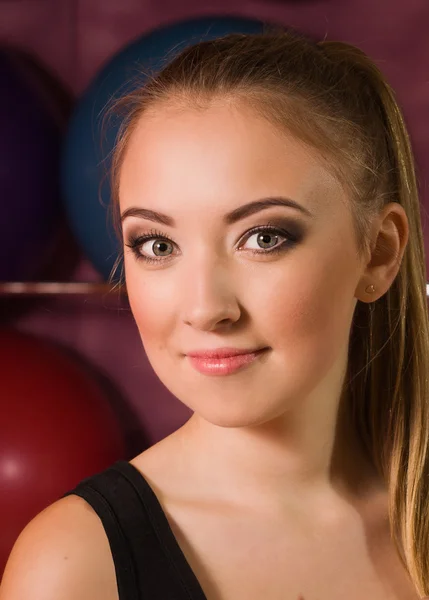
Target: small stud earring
[(370, 289)]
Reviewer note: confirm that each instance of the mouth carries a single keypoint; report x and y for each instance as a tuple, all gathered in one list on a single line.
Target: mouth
[(225, 365), (219, 353)]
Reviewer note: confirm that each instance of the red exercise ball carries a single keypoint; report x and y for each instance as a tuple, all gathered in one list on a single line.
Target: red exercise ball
[(57, 427)]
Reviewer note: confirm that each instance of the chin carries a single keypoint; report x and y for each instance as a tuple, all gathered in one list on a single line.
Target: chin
[(230, 419)]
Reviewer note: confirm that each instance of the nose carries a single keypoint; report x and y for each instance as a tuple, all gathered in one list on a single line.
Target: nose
[(210, 299)]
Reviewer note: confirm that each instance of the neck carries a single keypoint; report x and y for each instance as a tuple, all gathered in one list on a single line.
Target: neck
[(306, 455)]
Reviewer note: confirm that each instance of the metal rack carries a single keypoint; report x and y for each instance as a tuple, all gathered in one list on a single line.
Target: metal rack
[(53, 288)]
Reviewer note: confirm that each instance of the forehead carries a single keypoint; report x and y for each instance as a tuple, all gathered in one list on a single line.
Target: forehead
[(217, 158)]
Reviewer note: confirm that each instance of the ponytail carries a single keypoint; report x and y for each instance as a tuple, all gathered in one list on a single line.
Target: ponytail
[(401, 431)]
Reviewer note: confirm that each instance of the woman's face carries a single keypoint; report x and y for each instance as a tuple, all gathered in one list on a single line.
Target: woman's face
[(288, 285)]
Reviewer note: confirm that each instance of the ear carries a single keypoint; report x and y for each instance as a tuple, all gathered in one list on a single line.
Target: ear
[(389, 237)]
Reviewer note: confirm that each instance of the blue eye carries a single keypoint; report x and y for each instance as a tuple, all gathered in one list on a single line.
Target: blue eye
[(267, 235)]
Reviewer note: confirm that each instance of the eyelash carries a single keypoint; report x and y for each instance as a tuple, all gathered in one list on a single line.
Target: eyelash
[(136, 241)]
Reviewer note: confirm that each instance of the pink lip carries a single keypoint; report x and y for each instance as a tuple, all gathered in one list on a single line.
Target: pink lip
[(223, 365), (222, 352)]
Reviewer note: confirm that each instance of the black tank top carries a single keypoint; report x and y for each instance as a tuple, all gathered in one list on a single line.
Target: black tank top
[(149, 562)]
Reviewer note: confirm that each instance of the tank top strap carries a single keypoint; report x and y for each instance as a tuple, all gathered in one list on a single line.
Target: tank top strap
[(149, 562)]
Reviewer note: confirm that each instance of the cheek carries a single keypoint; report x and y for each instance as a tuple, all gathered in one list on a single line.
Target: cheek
[(305, 312), (152, 302)]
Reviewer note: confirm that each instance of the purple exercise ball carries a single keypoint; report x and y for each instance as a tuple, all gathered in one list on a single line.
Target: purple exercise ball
[(30, 144)]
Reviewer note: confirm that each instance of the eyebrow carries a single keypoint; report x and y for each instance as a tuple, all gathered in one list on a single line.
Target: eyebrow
[(229, 219)]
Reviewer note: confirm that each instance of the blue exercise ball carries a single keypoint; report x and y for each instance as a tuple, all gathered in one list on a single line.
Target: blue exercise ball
[(30, 146), (88, 144)]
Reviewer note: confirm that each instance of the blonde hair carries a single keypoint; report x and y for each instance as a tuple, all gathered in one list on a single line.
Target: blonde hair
[(332, 96)]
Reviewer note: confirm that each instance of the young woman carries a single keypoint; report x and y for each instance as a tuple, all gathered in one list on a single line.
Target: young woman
[(275, 268)]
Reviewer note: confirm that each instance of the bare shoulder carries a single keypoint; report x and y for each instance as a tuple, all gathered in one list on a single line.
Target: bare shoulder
[(62, 554)]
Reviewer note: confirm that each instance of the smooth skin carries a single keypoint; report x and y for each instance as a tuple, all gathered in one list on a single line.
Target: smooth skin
[(266, 486)]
